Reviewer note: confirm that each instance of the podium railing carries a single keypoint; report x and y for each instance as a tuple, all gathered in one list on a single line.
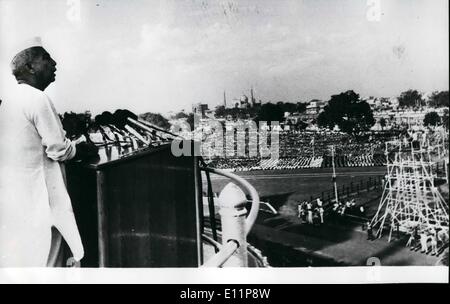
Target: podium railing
[(233, 251)]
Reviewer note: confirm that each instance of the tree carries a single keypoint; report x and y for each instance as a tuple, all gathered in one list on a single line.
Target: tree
[(348, 112), (236, 112), (220, 111), (156, 119), (291, 107), (190, 120), (300, 107), (180, 115), (287, 106), (411, 98), (301, 125), (431, 119), (270, 112), (439, 99)]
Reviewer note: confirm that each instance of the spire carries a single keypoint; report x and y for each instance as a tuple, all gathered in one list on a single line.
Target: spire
[(252, 99), (224, 99)]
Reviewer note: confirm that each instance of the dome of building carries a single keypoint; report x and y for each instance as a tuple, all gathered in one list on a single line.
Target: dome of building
[(244, 98)]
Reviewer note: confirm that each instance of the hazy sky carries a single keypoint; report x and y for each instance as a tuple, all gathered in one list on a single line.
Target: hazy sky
[(165, 55)]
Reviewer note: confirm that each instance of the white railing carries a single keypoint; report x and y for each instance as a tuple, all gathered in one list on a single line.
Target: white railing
[(225, 253), (235, 226)]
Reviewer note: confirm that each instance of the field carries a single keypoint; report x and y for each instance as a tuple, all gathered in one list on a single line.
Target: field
[(279, 187), (288, 242)]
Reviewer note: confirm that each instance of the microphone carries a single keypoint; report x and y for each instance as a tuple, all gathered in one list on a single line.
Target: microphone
[(120, 121), (145, 125), (99, 122)]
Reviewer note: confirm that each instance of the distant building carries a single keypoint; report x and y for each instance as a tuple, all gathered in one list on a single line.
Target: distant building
[(294, 118), (412, 119), (200, 109), (382, 103), (243, 102), (394, 103), (314, 107), (373, 102), (253, 101)]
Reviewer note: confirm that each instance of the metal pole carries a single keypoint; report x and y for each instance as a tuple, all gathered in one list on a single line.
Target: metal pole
[(334, 174), (446, 169), (102, 236), (313, 146), (199, 207)]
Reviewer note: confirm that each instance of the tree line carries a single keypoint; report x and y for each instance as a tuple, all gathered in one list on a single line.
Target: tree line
[(415, 99)]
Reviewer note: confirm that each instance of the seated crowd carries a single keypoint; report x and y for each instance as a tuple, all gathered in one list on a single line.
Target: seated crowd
[(302, 149)]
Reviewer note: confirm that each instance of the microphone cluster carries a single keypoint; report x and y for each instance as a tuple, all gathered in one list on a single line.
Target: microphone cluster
[(124, 127)]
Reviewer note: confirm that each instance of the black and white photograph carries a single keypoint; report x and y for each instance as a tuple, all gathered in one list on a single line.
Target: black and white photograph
[(218, 141)]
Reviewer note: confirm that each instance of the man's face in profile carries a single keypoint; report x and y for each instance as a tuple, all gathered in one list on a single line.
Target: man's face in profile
[(44, 67)]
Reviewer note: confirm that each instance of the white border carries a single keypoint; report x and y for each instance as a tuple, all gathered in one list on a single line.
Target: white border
[(325, 275)]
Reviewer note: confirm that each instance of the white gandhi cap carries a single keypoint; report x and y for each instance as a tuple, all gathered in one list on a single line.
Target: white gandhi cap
[(23, 45)]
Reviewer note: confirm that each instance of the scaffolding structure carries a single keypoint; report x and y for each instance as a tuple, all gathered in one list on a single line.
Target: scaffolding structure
[(410, 199)]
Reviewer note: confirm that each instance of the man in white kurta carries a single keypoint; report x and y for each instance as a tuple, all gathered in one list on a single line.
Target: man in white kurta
[(33, 195)]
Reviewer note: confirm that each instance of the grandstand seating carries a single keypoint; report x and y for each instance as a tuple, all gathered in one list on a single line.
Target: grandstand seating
[(301, 149)]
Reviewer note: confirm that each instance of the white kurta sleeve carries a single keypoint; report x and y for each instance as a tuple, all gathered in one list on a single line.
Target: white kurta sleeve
[(49, 127)]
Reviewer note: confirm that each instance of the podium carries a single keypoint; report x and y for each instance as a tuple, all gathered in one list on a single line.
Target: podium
[(137, 208)]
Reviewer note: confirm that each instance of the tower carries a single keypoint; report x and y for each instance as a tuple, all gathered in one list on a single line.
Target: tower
[(410, 199), (224, 99), (252, 99)]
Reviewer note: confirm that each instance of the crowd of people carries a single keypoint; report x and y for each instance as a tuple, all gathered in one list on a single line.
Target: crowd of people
[(291, 163), (349, 207), (236, 164), (251, 164), (294, 143), (304, 149), (351, 160), (427, 239), (311, 212)]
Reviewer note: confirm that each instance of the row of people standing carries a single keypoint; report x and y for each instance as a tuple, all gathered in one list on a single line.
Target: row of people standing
[(433, 236), (311, 212), (349, 207), (308, 211)]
